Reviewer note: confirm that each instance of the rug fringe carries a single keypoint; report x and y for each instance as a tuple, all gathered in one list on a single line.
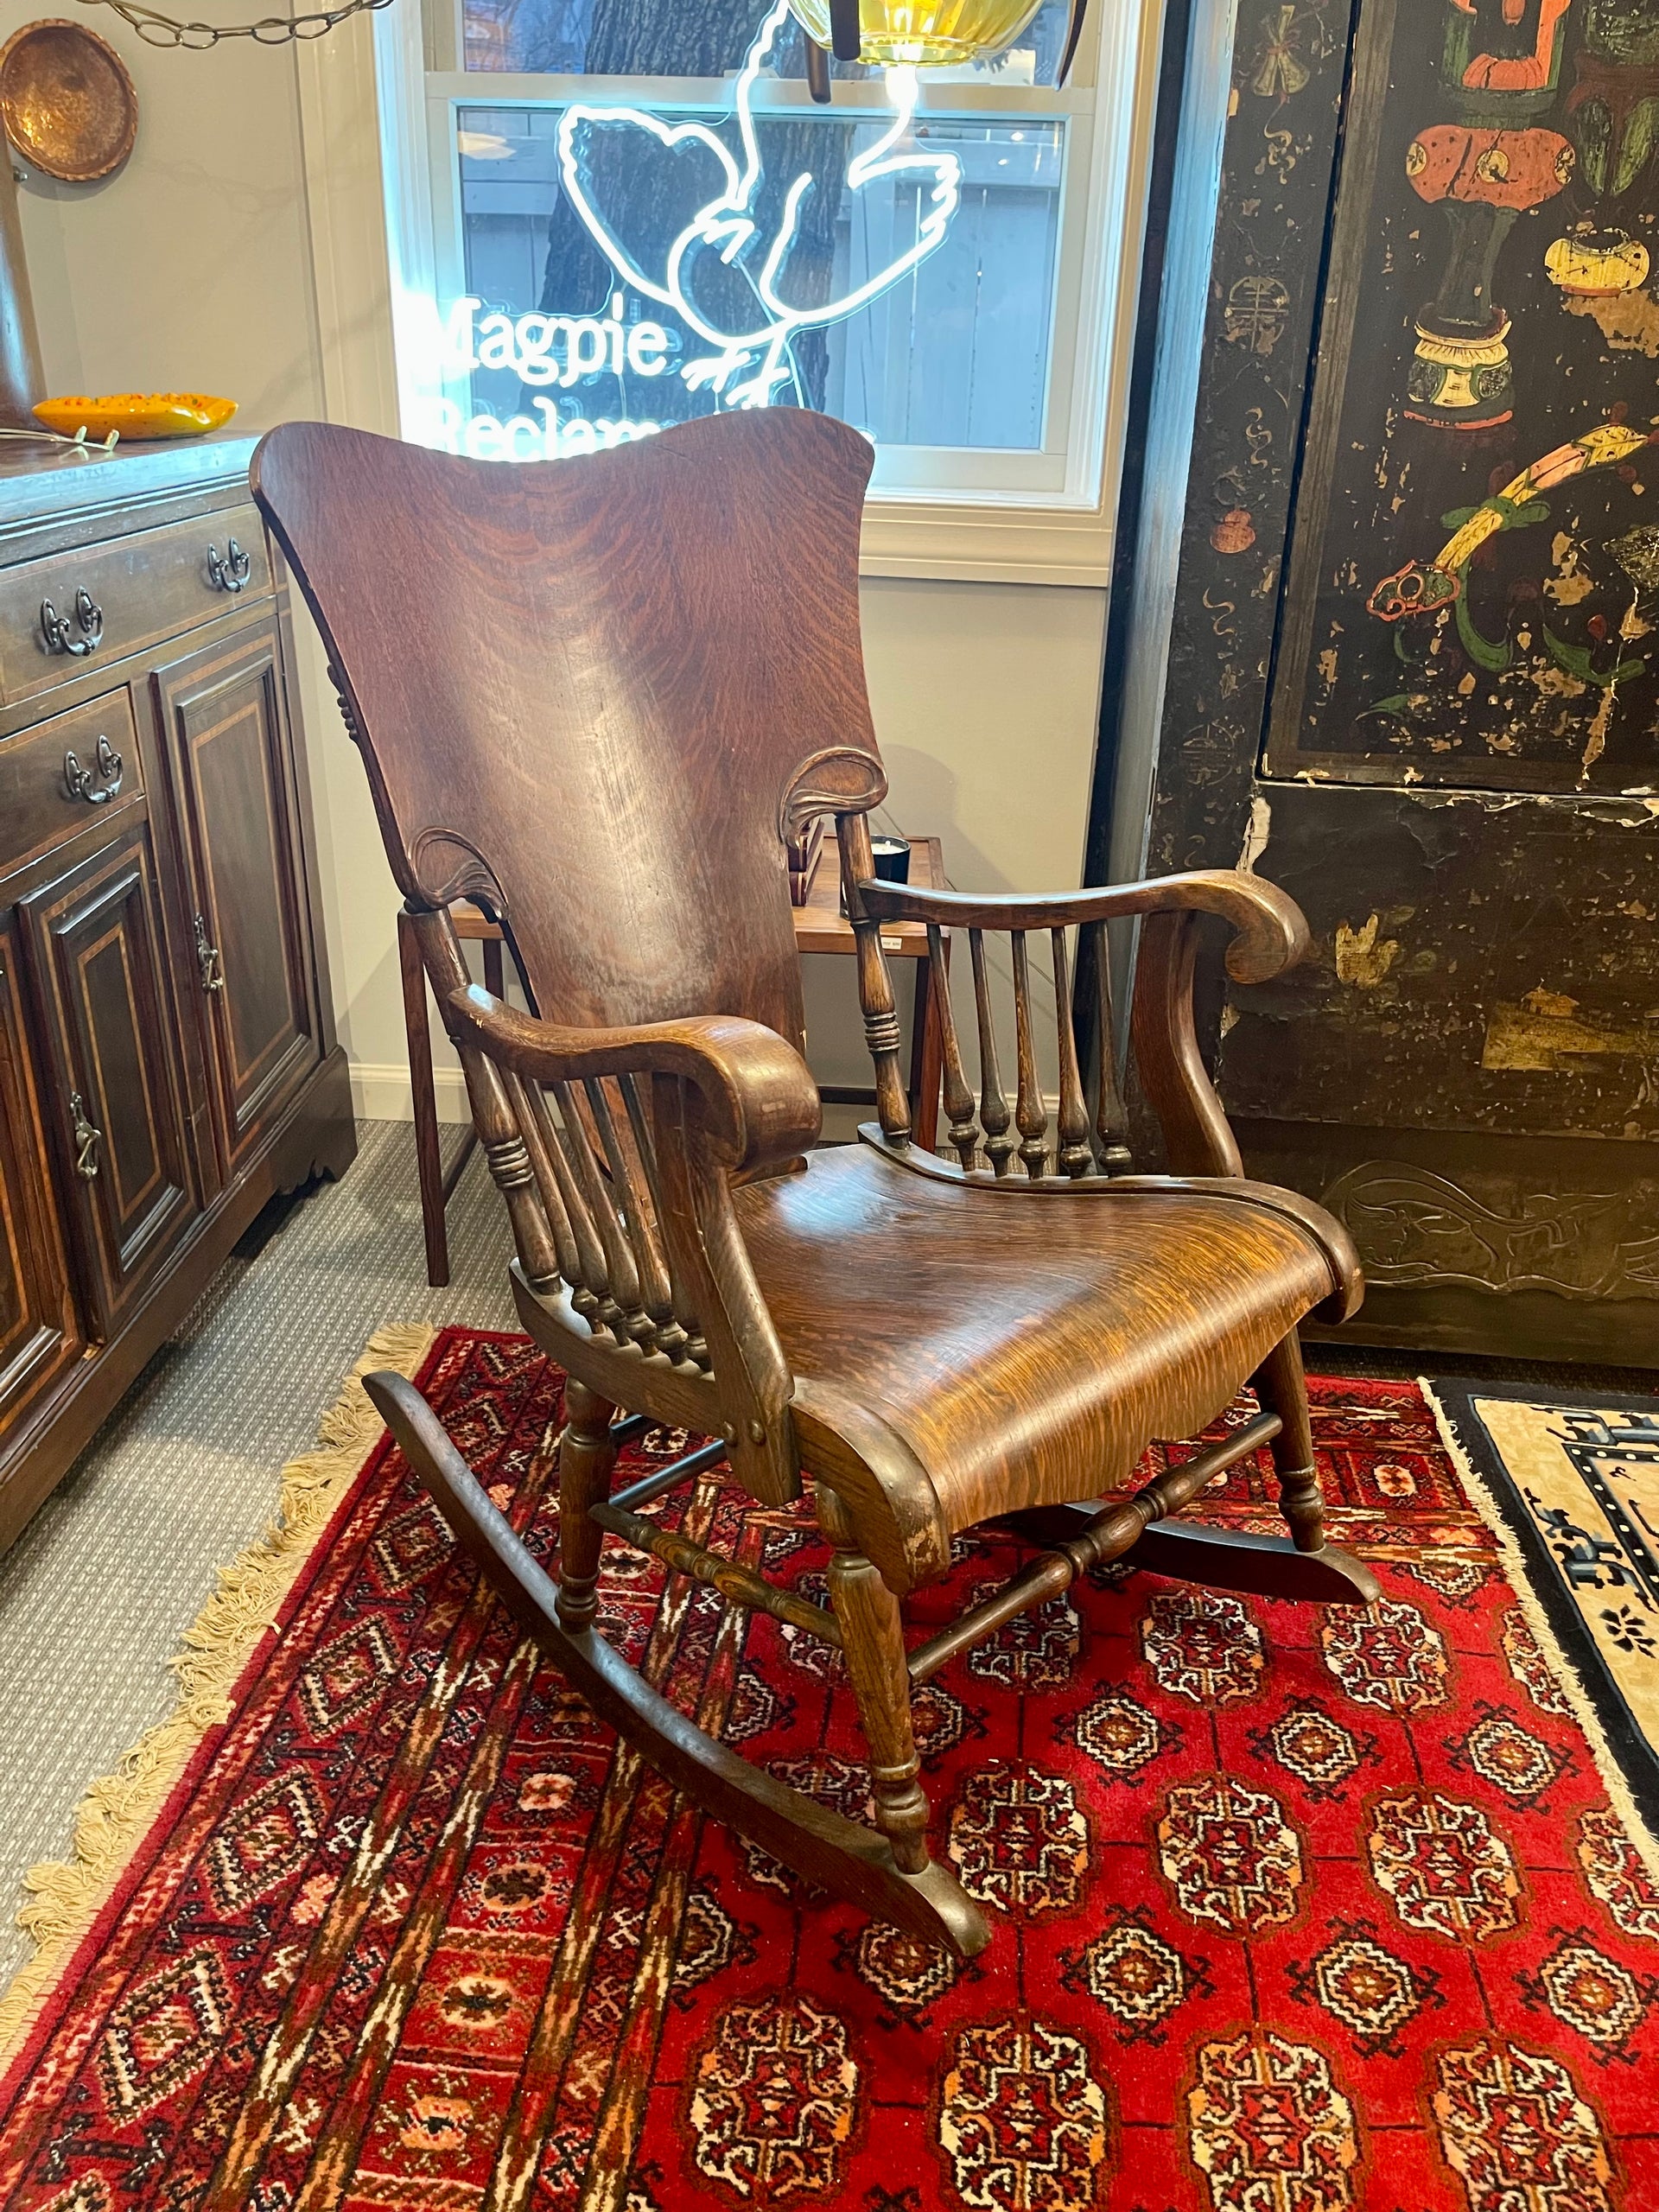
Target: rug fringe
[(116, 1812), (1567, 1677)]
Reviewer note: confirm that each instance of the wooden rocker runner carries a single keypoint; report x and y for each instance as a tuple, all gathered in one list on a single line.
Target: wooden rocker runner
[(596, 697)]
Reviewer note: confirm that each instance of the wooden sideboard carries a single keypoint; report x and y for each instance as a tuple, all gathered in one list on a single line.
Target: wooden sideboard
[(167, 1061)]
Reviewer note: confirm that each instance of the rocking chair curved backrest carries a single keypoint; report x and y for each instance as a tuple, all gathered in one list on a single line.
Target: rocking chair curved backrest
[(584, 657)]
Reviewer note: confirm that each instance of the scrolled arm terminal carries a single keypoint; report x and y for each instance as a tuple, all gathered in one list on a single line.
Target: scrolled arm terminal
[(759, 1106)]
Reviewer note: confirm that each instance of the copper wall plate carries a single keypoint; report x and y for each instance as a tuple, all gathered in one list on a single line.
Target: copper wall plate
[(66, 100)]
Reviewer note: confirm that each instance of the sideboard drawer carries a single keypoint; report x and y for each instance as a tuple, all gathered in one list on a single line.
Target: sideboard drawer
[(109, 599), (56, 777)]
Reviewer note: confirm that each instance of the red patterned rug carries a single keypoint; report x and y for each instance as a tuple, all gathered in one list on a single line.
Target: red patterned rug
[(1293, 1912)]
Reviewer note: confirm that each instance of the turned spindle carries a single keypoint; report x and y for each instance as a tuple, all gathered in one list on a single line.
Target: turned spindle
[(1111, 1121), (958, 1098), (1029, 1112), (1076, 1157), (994, 1114), (881, 1032)]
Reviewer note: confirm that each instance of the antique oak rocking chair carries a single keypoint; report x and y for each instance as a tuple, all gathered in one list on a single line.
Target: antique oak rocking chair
[(596, 697)]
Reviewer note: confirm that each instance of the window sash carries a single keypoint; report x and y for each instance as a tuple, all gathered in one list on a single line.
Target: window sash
[(1063, 471)]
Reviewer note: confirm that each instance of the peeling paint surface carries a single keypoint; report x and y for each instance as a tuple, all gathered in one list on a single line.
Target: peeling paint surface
[(1519, 1036), (1476, 964), (1362, 957), (1257, 834)]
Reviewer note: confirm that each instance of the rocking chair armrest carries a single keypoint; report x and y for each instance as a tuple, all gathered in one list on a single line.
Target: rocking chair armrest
[(760, 1104), (1269, 932)]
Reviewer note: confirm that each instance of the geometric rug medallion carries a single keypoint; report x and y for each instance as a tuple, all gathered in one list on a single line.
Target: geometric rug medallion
[(1293, 1911)]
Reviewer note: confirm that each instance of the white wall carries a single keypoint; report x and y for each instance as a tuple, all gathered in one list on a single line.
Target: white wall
[(985, 698), (191, 269)]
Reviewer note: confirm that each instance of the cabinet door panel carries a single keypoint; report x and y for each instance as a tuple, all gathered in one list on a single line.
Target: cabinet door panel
[(229, 736), (120, 1128), (39, 1331)]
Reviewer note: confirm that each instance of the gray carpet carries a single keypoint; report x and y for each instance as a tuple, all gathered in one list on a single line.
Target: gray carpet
[(95, 1594)]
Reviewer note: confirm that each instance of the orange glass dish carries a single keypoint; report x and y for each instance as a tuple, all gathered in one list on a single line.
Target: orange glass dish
[(138, 415), (929, 34)]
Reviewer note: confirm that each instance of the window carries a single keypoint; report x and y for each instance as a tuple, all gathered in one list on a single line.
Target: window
[(633, 214)]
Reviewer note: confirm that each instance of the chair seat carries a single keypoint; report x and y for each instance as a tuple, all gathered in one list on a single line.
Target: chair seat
[(1027, 1344)]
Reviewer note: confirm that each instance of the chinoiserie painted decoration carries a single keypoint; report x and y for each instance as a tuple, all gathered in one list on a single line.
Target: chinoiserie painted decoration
[(1419, 687), (1475, 567)]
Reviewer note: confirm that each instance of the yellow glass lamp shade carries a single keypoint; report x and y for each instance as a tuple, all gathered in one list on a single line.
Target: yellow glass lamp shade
[(927, 34), (138, 415)]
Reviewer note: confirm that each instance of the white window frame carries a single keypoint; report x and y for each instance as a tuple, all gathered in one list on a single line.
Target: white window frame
[(1058, 533)]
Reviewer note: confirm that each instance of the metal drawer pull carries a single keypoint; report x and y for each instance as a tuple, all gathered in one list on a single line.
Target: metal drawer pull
[(208, 959), (231, 573), (59, 636), (87, 1139), (81, 783)]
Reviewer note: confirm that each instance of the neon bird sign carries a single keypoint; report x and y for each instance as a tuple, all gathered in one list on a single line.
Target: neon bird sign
[(563, 351), (726, 225)]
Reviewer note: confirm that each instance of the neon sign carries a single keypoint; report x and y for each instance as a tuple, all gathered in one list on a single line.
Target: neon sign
[(522, 437), (726, 225), (559, 350), (530, 344), (745, 366)]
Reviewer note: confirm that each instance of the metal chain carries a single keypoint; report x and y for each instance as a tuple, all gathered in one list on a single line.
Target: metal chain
[(157, 29)]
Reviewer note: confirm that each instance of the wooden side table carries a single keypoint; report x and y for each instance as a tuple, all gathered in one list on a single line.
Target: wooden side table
[(820, 927)]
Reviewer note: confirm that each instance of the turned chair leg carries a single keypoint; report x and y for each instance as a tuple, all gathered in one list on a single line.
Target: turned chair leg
[(873, 1634), (586, 1458), (1282, 1387)]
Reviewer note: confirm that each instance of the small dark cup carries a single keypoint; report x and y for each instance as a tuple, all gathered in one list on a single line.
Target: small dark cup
[(892, 858)]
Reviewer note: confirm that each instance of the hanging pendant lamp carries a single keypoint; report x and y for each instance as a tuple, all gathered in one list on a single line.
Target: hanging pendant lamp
[(918, 34)]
